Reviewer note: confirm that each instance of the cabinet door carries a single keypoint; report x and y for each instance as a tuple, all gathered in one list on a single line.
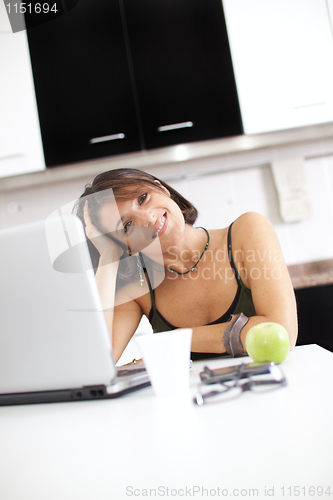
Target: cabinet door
[(282, 53), (20, 143), (314, 308), (83, 86), (183, 70)]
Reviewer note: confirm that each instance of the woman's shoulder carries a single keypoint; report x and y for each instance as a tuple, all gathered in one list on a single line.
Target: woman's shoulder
[(247, 224), (251, 220), (250, 223), (253, 229)]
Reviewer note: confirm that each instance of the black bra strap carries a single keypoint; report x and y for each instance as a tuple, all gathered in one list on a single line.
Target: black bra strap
[(152, 294), (231, 259)]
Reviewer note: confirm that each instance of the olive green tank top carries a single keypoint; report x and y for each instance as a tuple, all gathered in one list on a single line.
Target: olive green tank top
[(242, 303)]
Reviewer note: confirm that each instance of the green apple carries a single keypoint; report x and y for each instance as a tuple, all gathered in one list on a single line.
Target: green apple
[(267, 342)]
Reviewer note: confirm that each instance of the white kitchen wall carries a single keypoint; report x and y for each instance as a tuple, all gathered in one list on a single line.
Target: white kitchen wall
[(219, 196)]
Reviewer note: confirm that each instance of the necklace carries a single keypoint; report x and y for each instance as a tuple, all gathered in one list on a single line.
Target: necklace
[(197, 262)]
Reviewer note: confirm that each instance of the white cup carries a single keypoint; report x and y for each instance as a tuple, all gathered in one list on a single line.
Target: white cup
[(166, 356)]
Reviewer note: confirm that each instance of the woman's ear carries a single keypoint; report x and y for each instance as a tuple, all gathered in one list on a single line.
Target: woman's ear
[(164, 188)]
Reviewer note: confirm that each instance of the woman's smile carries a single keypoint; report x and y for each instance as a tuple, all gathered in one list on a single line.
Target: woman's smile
[(160, 226)]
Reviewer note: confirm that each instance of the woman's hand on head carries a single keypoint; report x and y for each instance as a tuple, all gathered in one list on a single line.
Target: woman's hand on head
[(106, 247)]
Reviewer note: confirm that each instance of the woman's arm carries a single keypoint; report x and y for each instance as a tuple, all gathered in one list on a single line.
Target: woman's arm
[(127, 317), (122, 320), (258, 258)]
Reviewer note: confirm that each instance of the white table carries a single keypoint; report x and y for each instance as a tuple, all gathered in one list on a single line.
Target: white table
[(119, 449)]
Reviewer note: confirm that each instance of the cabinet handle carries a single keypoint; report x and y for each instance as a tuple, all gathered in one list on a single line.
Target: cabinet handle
[(106, 138), (309, 105), (174, 126)]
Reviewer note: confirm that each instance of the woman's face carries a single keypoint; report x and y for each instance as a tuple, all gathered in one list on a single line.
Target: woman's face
[(150, 217)]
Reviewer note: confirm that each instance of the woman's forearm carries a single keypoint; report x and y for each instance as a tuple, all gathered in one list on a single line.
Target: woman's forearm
[(106, 277), (210, 338)]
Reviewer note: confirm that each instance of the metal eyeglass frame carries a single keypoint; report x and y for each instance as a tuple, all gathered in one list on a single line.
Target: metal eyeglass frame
[(277, 380)]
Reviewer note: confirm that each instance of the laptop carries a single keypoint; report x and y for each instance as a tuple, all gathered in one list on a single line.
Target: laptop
[(54, 343)]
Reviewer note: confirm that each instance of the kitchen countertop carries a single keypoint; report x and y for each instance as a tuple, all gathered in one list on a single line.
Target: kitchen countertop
[(311, 274), (312, 141)]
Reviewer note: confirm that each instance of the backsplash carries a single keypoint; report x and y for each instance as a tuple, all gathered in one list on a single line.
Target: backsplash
[(220, 196)]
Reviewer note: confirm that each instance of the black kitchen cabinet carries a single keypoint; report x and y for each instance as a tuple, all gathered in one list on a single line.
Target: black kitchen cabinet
[(116, 76), (183, 70), (314, 308), (83, 85)]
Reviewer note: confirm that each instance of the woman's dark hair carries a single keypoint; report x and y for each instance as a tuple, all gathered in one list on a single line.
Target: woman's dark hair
[(126, 184)]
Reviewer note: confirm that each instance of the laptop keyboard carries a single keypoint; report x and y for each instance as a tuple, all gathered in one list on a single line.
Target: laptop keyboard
[(123, 372)]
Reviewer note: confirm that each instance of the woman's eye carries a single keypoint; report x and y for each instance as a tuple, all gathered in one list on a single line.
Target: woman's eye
[(127, 226), (142, 198)]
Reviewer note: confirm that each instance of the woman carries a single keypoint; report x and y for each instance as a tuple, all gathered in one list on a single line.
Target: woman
[(210, 277)]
